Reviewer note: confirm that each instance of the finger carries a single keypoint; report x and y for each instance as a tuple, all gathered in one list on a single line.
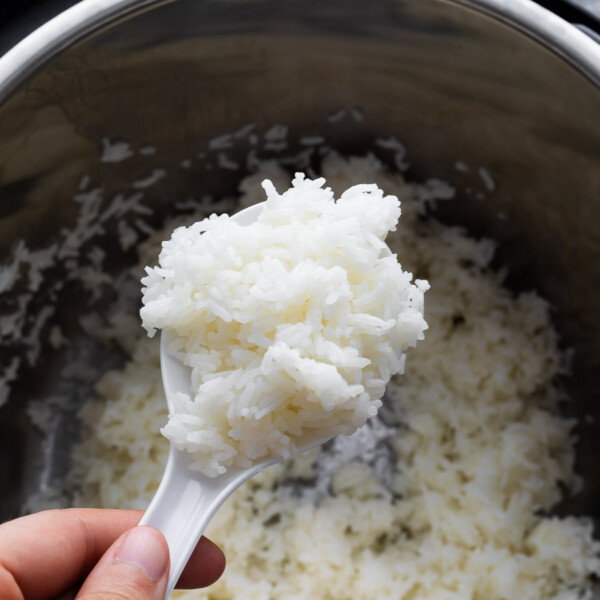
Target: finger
[(62, 546), (205, 566), (135, 567), (46, 553), (68, 594)]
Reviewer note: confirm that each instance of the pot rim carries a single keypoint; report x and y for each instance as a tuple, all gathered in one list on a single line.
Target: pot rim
[(531, 19)]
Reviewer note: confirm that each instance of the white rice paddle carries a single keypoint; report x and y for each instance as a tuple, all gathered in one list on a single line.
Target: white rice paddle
[(187, 500)]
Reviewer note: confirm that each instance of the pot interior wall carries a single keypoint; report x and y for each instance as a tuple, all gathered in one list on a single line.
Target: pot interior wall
[(450, 82)]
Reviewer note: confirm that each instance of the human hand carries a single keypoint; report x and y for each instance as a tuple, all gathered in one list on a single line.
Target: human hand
[(94, 554)]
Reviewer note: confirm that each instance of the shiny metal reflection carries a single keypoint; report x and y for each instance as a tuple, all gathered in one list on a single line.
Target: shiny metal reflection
[(505, 85)]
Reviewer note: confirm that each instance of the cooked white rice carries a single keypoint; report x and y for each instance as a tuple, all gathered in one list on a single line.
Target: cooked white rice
[(291, 326), (480, 450)]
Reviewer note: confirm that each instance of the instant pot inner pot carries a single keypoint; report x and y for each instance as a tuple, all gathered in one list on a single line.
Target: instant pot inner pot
[(452, 83)]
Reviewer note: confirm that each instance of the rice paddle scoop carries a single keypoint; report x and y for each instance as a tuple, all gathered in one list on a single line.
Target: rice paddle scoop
[(186, 500)]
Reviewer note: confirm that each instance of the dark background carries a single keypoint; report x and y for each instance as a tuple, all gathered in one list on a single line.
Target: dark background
[(20, 17)]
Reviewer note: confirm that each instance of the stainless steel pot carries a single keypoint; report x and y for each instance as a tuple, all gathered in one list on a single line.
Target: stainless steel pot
[(501, 84)]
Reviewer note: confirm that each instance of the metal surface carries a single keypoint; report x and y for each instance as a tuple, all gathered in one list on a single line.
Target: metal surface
[(19, 18), (582, 14), (505, 85), (590, 7)]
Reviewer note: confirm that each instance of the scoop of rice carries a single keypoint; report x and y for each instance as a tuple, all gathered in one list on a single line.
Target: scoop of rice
[(291, 326)]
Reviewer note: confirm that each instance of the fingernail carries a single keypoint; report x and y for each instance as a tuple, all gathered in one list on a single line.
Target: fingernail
[(144, 548)]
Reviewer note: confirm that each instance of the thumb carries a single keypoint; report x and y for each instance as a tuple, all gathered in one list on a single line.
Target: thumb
[(135, 567)]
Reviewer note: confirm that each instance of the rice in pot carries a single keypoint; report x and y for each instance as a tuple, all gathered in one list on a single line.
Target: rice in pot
[(480, 449)]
